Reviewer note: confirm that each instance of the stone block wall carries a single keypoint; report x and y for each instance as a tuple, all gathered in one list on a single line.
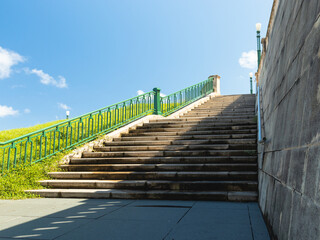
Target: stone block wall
[(289, 159)]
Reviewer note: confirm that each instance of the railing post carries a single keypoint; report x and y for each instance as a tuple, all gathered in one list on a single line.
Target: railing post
[(157, 107), (258, 27), (216, 83)]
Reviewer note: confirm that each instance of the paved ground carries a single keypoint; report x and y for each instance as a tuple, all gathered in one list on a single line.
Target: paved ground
[(129, 219)]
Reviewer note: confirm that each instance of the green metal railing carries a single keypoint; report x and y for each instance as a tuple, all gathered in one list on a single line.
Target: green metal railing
[(36, 146), (44, 143), (177, 100)]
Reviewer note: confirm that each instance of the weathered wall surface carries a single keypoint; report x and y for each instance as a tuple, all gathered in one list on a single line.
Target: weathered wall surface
[(289, 161)]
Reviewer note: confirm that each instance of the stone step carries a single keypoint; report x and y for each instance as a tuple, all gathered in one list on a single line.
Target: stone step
[(198, 124), (170, 153), (225, 111), (168, 160), (206, 119), (189, 137), (176, 147), (218, 114), (154, 185), (230, 108), (221, 117), (184, 133), (233, 103), (138, 167), (158, 175), (182, 142), (235, 97), (202, 108), (229, 104), (155, 194)]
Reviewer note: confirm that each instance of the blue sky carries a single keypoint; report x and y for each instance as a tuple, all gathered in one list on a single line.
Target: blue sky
[(83, 55)]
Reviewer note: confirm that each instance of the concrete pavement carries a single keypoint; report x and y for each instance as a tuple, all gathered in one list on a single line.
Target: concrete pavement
[(129, 219)]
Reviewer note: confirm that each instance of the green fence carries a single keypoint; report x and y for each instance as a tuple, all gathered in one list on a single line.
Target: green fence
[(36, 146), (177, 100)]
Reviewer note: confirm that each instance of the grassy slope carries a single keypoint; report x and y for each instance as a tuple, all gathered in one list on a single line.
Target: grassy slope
[(14, 133), (13, 184)]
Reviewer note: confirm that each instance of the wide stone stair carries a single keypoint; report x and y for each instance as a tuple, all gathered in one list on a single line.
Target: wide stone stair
[(207, 154)]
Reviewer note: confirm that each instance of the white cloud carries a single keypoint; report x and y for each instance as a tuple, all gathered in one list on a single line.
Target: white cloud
[(7, 60), (46, 79), (27, 110), (139, 92), (248, 59), (162, 95), (7, 111), (64, 106)]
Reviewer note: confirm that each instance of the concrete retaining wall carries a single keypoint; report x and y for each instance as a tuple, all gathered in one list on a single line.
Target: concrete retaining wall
[(289, 161)]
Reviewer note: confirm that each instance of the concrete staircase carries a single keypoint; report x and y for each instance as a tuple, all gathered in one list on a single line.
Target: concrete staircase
[(207, 154)]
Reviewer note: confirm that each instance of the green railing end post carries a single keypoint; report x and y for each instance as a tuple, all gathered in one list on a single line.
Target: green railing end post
[(157, 107)]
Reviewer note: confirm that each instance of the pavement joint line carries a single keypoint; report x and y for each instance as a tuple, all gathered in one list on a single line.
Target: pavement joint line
[(250, 223), (179, 220)]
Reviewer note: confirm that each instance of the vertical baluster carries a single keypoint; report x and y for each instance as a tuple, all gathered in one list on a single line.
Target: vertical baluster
[(50, 142), (8, 162), (99, 123), (136, 108), (31, 152), (66, 136), (20, 158), (78, 131), (58, 129), (143, 103), (15, 156), (116, 115), (26, 150), (176, 100), (71, 133), (124, 112), (108, 118), (36, 148), (88, 121), (45, 145), (3, 163), (162, 105)]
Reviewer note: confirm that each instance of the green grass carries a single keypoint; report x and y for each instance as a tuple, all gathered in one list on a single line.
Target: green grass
[(14, 133), (26, 177)]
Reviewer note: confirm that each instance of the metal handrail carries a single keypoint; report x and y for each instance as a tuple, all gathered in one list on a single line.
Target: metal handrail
[(70, 120), (259, 115), (46, 142), (177, 100)]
